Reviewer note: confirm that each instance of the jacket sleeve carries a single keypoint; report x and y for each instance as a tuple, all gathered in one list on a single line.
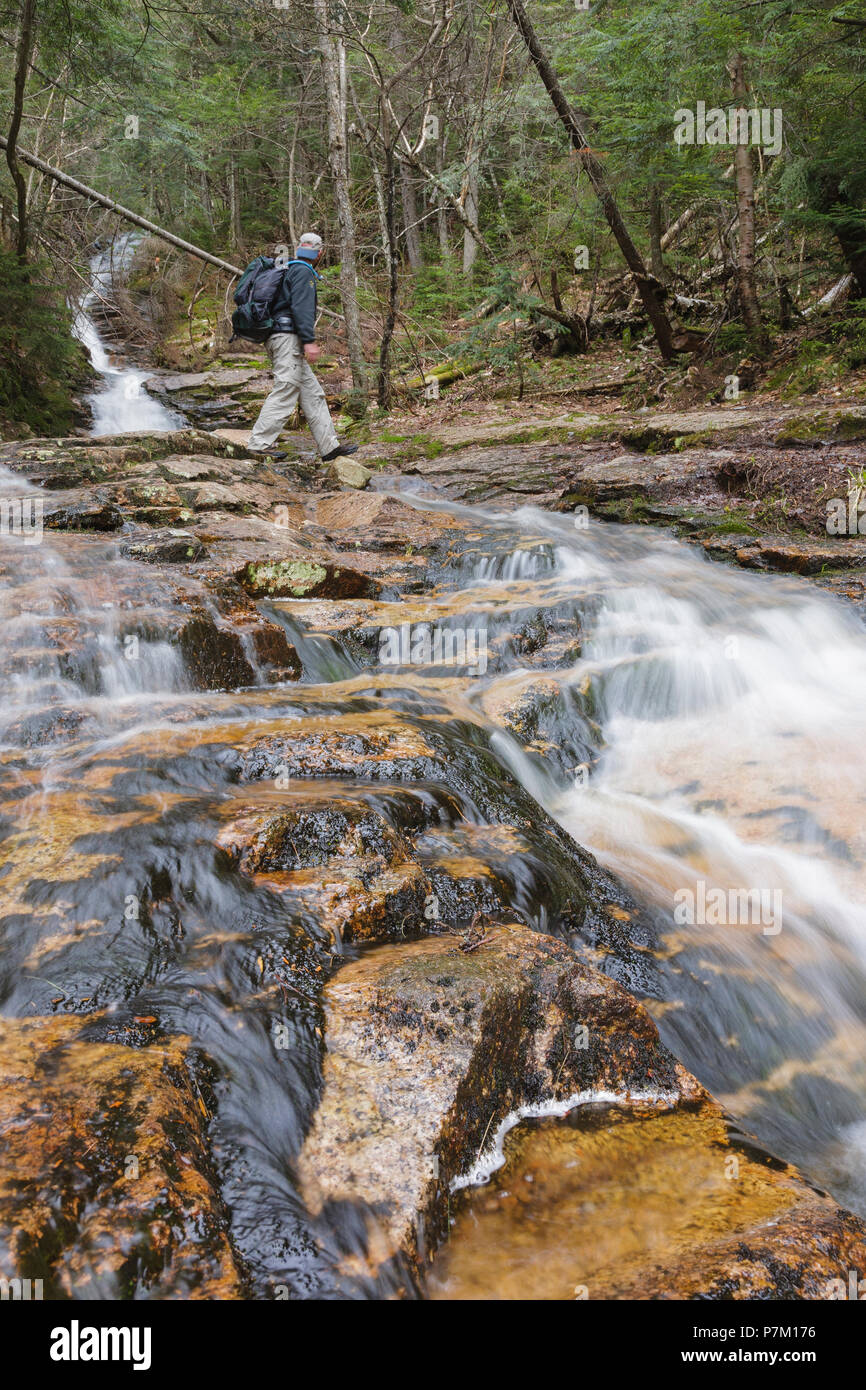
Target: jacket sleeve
[(304, 303)]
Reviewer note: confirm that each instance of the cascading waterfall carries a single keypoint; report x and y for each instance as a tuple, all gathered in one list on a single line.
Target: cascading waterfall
[(120, 405), (730, 745), (731, 775), (702, 732), (56, 586)]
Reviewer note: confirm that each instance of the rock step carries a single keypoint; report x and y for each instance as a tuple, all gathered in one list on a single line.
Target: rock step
[(432, 1045), (615, 1203), (105, 1183)]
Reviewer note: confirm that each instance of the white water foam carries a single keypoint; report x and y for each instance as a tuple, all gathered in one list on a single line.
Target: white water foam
[(492, 1158)]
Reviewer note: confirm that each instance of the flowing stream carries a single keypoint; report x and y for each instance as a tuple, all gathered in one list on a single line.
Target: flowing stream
[(731, 752), (705, 730), (733, 758)]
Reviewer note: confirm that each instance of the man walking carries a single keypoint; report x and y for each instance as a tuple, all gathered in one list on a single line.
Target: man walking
[(293, 349)]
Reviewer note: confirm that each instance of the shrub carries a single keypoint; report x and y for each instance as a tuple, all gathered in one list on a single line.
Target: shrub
[(41, 361)]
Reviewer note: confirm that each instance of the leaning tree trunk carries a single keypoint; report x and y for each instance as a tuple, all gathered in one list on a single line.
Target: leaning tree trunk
[(94, 196), (22, 64), (339, 166), (646, 285), (749, 305)]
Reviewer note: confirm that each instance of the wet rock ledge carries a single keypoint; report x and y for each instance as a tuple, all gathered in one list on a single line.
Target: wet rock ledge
[(433, 1044), (207, 533), (106, 1187)]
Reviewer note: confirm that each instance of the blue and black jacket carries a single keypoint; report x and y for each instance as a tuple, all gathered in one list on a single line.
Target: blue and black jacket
[(293, 308)]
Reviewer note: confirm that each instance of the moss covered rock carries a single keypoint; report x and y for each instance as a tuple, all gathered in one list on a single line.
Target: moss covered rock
[(300, 577)]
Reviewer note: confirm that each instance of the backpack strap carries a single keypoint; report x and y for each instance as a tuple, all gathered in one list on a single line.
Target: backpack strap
[(296, 260)]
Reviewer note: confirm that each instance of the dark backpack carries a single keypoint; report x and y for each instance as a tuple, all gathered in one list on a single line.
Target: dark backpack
[(257, 289), (254, 296)]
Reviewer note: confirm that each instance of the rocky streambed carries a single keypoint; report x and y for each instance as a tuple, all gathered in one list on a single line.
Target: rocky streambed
[(767, 485), (302, 934)]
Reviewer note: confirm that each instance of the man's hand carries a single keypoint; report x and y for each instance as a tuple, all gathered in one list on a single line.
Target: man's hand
[(312, 352)]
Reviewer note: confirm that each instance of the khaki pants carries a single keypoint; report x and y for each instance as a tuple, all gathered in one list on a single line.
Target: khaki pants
[(294, 379)]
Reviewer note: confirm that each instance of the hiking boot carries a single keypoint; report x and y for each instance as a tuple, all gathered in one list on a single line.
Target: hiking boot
[(340, 450), (271, 453)]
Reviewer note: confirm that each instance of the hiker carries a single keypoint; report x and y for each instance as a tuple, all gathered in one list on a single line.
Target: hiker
[(287, 326)]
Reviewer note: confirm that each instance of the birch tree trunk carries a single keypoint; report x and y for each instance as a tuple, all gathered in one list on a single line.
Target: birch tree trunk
[(338, 163), (472, 177), (470, 202), (384, 385), (441, 210)]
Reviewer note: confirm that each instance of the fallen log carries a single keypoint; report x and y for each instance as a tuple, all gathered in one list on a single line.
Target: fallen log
[(444, 374), (692, 305), (835, 295), (483, 311), (685, 219), (574, 324)]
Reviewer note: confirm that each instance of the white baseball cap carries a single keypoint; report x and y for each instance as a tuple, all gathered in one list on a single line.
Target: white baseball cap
[(311, 241)]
